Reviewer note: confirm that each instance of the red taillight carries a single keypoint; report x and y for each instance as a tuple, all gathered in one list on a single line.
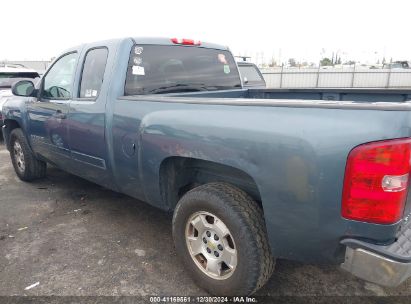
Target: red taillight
[(185, 41), (376, 181)]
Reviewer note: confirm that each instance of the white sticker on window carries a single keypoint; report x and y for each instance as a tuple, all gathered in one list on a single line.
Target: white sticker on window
[(138, 50), (137, 60), (94, 93), (138, 70), (87, 93)]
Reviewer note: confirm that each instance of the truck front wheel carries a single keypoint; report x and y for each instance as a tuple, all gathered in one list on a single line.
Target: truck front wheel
[(219, 233), (26, 165)]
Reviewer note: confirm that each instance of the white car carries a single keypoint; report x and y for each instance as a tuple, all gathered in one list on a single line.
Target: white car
[(9, 74)]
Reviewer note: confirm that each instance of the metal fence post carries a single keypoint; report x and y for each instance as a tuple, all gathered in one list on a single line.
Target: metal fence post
[(318, 75), (388, 78), (281, 76), (353, 77)]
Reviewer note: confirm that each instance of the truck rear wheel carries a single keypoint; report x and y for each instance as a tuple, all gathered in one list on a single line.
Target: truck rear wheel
[(26, 165), (219, 233)]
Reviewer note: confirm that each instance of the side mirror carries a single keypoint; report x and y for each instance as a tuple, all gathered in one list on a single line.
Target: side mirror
[(245, 80), (23, 88)]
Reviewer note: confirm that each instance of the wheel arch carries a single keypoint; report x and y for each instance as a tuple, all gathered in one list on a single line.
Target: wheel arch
[(9, 126), (178, 175)]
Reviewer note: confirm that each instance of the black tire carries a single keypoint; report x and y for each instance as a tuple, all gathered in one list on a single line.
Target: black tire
[(33, 168), (245, 220)]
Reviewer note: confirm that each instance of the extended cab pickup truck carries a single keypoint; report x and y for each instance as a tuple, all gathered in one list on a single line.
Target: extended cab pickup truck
[(251, 174)]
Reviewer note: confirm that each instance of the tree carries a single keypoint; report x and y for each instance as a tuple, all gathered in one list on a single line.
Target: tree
[(272, 63), (326, 62), (350, 62), (292, 62)]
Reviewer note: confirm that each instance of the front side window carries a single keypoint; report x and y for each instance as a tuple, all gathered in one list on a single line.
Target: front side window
[(156, 69), (93, 73), (59, 79)]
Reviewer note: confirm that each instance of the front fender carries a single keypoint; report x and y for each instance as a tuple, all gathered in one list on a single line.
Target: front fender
[(15, 115)]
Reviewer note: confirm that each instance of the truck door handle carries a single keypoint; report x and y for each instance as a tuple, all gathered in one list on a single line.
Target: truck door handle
[(59, 115)]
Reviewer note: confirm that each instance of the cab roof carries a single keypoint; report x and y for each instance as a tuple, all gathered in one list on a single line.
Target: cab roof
[(168, 41), (150, 40)]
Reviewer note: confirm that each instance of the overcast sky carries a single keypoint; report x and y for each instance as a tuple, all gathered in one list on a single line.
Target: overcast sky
[(306, 30)]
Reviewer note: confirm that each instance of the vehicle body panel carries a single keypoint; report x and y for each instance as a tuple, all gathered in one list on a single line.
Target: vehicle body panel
[(298, 169)]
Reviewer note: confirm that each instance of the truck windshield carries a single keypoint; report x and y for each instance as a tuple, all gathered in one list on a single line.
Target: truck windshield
[(156, 69)]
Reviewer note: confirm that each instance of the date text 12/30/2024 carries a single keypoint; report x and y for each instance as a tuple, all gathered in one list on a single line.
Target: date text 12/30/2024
[(202, 299)]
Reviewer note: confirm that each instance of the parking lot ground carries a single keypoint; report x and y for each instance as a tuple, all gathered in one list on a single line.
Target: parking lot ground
[(77, 238)]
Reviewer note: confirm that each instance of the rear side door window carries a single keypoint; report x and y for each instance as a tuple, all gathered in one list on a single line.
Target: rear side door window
[(93, 73)]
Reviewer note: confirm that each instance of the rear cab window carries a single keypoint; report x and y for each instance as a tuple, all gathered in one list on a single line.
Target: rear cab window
[(157, 69), (252, 74)]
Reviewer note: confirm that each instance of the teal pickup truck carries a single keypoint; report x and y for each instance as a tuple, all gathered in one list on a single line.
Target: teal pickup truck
[(250, 174)]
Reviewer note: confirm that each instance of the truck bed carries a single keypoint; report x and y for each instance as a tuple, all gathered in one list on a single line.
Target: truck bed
[(367, 99), (358, 95)]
